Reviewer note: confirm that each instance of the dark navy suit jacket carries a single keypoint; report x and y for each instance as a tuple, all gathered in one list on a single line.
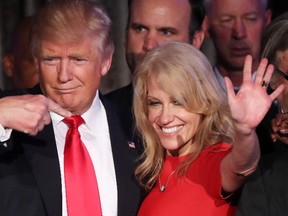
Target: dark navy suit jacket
[(30, 182)]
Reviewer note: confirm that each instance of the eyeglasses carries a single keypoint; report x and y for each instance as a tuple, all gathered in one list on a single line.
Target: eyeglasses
[(282, 73)]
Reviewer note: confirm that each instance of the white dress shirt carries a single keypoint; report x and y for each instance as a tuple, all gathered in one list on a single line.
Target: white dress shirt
[(4, 133), (221, 81), (95, 135), (220, 78)]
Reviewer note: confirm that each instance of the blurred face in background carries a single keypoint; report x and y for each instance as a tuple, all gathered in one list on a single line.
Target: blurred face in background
[(236, 28), (153, 23), (20, 68), (18, 63)]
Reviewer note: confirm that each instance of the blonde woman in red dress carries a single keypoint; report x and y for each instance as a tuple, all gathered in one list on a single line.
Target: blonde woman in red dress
[(199, 143)]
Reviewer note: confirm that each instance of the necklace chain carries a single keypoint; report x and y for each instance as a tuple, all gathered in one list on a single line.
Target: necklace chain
[(164, 186)]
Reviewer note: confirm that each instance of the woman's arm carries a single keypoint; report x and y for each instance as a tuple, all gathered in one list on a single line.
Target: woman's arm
[(248, 108)]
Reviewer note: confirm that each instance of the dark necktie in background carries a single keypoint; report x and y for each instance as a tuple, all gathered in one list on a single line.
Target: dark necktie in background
[(82, 195)]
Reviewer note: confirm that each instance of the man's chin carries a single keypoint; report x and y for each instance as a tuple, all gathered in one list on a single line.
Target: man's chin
[(237, 62), (65, 101)]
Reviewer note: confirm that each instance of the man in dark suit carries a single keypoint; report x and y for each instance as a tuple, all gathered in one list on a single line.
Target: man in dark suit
[(72, 49)]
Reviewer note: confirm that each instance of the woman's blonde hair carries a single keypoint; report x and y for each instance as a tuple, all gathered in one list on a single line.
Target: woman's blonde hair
[(184, 73)]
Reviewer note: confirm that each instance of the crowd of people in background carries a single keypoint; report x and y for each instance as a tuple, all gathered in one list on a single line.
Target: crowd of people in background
[(184, 137)]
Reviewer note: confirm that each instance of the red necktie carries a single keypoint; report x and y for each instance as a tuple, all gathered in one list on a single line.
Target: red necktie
[(82, 195)]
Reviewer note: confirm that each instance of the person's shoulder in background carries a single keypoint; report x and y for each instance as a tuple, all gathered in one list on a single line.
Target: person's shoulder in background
[(122, 96)]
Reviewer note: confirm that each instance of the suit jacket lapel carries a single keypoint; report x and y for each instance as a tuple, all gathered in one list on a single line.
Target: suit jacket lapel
[(129, 193), (41, 154)]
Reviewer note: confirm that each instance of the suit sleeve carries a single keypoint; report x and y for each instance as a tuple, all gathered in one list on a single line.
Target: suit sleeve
[(253, 197)]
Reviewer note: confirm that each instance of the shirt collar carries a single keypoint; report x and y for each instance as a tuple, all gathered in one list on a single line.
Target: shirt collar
[(221, 81), (90, 116), (219, 78)]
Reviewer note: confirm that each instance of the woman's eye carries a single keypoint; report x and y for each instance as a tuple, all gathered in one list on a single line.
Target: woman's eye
[(177, 103), (152, 103)]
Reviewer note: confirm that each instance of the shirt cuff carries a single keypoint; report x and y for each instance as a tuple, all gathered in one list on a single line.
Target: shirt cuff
[(4, 133)]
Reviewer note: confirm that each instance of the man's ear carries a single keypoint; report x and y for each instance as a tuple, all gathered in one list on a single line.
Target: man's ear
[(106, 64), (268, 16), (198, 39), (206, 26), (8, 65)]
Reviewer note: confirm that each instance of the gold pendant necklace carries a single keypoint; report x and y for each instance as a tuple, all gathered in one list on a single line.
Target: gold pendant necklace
[(163, 187)]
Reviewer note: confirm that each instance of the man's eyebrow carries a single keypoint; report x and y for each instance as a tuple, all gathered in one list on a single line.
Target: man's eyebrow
[(168, 28), (48, 56), (137, 24)]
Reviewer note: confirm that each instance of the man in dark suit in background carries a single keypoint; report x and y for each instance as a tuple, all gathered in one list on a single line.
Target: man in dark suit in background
[(153, 23), (235, 28), (72, 49)]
